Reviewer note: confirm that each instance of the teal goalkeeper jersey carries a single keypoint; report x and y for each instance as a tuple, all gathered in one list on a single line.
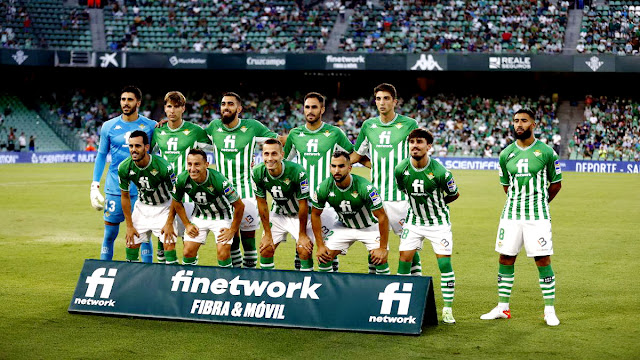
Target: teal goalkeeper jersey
[(212, 198), (528, 173), (355, 204), (286, 189), (154, 181), (426, 188), (385, 145)]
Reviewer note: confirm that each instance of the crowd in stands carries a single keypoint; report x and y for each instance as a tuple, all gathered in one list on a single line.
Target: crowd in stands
[(611, 29), (610, 130), (459, 26)]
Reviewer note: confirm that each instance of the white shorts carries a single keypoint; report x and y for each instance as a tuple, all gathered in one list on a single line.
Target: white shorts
[(439, 235), (188, 208), (282, 225), (205, 226), (342, 237), (534, 234), (149, 219), (396, 213), (251, 217)]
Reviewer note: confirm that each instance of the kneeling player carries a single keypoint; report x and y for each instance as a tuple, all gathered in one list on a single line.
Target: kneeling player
[(429, 187), (288, 184), (217, 209), (154, 178), (357, 204)]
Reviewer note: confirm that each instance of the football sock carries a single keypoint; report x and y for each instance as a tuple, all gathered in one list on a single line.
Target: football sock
[(328, 267), (372, 268), (416, 265), (250, 252), (447, 280), (160, 245), (132, 254), (267, 263), (306, 265), (236, 255), (404, 268), (505, 282), (146, 252), (296, 263), (547, 284), (383, 269), (171, 257), (190, 260), (110, 235), (226, 263), (335, 264)]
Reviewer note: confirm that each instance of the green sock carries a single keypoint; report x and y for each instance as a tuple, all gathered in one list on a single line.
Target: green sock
[(267, 263), (328, 267), (160, 245), (190, 260), (250, 253), (383, 269), (416, 265), (171, 257), (226, 263), (236, 254), (132, 254), (505, 282), (404, 268), (372, 268), (447, 280), (306, 265), (547, 284)]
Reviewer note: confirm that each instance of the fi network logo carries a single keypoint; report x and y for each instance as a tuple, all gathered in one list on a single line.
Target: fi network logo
[(95, 280), (389, 297)]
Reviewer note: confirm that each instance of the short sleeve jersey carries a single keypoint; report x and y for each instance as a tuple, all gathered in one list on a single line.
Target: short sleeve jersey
[(385, 145), (174, 144), (426, 188), (212, 198), (355, 204), (314, 150), (286, 189), (154, 181), (528, 173), (234, 148)]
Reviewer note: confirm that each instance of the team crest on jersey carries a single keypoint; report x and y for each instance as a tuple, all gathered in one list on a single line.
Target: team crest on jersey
[(537, 153), (558, 168), (430, 176), (327, 133), (375, 197), (451, 184), (398, 126), (304, 186), (354, 194), (243, 129), (118, 127), (154, 172), (142, 126), (210, 188), (287, 181), (186, 131)]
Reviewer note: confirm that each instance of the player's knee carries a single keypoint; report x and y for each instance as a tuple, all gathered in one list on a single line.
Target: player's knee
[(134, 246), (303, 253), (224, 252), (267, 252), (406, 256), (190, 252)]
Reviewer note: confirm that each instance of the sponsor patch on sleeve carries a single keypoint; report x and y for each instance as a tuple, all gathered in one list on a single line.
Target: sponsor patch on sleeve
[(500, 173), (228, 190), (451, 184), (172, 177), (558, 168), (314, 196), (304, 186), (375, 198)]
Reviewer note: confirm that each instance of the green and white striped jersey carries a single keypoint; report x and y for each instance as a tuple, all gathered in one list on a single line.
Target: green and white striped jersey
[(212, 198), (314, 150), (528, 173), (233, 151), (355, 204), (385, 145), (154, 181), (174, 144), (286, 189), (426, 188)]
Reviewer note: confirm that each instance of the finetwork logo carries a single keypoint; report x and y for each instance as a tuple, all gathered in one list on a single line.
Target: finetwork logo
[(594, 63), (109, 59), (426, 62), (96, 279), (175, 61), (510, 62), (345, 62), (19, 57), (391, 295)]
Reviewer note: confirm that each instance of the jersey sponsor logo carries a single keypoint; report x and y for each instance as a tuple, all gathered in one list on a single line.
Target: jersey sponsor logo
[(385, 138), (557, 166), (345, 206), (451, 184), (523, 167), (375, 198), (389, 297), (201, 197), (418, 186), (277, 193), (230, 142), (304, 186), (172, 144), (312, 147)]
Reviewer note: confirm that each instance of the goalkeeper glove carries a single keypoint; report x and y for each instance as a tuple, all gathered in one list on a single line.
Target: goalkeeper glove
[(97, 200)]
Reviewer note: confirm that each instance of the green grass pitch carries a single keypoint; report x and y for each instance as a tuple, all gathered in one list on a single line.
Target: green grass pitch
[(47, 229)]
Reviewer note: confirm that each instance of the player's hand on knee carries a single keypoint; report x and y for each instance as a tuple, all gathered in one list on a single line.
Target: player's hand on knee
[(191, 230), (169, 234), (266, 243), (131, 235), (323, 254), (305, 243), (379, 256), (97, 200), (225, 235)]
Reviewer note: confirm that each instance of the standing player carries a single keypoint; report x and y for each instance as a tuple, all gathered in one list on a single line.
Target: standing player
[(381, 145), (359, 209), (114, 139), (217, 209), (173, 140), (234, 140), (430, 187), (154, 178), (313, 144), (288, 184), (531, 177)]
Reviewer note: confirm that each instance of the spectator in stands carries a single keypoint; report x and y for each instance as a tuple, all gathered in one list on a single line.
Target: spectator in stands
[(11, 140), (32, 143), (22, 141)]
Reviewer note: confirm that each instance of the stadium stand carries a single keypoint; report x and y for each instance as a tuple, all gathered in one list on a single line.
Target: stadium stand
[(613, 29), (45, 24), (459, 26), (252, 26)]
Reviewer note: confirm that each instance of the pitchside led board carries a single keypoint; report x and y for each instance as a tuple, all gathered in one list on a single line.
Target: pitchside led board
[(358, 302)]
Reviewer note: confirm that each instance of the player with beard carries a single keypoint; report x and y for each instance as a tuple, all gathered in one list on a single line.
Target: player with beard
[(531, 177), (114, 139), (429, 187), (234, 141), (313, 144)]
